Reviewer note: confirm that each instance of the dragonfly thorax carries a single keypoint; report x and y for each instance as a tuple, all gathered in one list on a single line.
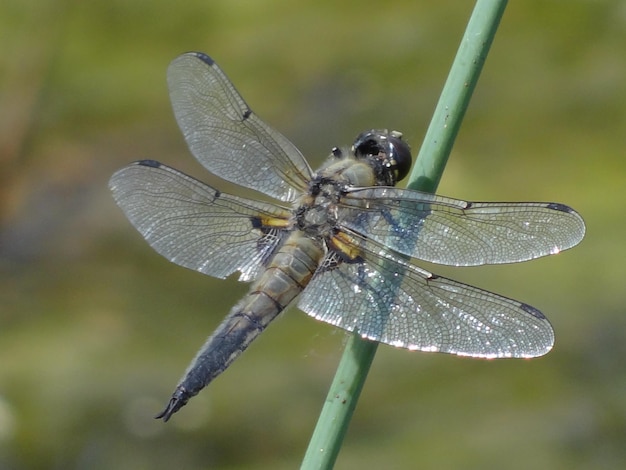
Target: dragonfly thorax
[(316, 212), (373, 160)]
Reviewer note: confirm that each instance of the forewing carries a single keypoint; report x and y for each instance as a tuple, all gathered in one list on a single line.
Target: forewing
[(453, 232), (386, 299), (193, 224), (226, 136)]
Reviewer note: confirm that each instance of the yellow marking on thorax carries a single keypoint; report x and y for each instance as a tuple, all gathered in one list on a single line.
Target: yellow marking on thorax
[(345, 244), (268, 221)]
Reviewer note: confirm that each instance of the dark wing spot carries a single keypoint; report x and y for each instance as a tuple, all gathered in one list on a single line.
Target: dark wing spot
[(345, 258), (559, 207), (150, 163), (247, 114), (204, 58), (533, 311)]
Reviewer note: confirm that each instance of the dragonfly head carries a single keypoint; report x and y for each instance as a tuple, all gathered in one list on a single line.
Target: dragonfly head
[(389, 154)]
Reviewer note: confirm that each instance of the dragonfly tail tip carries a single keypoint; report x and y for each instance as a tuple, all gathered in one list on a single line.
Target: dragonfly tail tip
[(178, 400)]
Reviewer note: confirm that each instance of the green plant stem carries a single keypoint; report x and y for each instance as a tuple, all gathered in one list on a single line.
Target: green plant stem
[(358, 355), (456, 94)]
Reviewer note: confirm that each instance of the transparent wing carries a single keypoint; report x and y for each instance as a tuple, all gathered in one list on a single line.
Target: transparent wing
[(226, 136), (194, 225), (453, 232), (388, 300)]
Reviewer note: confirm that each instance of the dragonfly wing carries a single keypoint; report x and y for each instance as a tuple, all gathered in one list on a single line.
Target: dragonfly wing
[(226, 136), (453, 232), (386, 299), (195, 225)]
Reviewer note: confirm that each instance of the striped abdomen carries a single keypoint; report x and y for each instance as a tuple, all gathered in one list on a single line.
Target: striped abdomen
[(287, 274)]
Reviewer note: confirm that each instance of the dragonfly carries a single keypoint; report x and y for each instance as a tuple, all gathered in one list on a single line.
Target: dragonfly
[(338, 242)]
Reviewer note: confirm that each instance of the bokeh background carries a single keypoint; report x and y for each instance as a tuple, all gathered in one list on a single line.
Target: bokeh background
[(96, 328)]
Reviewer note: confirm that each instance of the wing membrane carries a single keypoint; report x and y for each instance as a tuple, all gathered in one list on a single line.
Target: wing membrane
[(453, 232), (194, 225), (385, 299), (226, 136)]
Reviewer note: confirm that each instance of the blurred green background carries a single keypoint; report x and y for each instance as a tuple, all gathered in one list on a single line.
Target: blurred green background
[(96, 328)]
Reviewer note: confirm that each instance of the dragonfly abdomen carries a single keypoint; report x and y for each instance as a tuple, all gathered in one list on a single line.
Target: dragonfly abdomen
[(287, 274)]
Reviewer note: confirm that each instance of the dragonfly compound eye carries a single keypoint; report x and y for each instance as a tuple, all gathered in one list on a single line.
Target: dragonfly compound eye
[(399, 155), (393, 153)]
